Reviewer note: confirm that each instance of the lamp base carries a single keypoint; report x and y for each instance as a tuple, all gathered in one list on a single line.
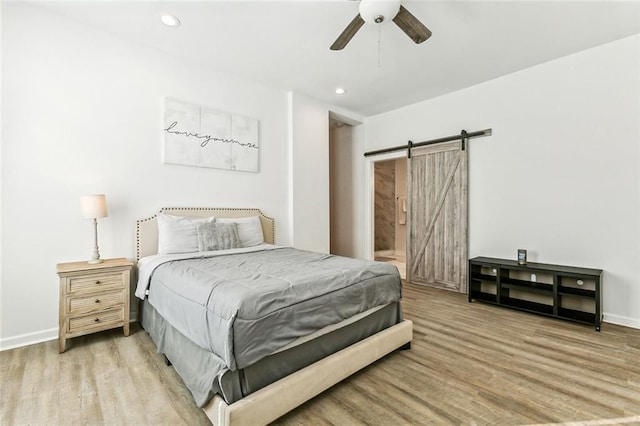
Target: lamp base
[(95, 256)]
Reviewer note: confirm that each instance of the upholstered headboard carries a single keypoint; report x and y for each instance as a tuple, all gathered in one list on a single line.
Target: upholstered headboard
[(147, 229)]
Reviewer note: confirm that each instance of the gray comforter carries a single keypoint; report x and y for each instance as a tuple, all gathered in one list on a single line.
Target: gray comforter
[(245, 306)]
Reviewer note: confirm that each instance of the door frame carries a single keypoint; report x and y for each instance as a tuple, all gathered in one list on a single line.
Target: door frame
[(369, 198)]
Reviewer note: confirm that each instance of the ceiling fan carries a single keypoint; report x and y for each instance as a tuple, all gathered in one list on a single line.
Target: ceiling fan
[(379, 11)]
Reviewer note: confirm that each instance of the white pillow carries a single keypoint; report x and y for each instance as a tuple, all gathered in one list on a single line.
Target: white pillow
[(249, 229), (178, 234)]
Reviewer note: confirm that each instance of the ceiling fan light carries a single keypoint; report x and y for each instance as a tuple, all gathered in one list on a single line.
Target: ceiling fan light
[(170, 20), (371, 11)]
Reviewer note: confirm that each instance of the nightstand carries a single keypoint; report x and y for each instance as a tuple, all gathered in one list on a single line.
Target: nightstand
[(93, 297)]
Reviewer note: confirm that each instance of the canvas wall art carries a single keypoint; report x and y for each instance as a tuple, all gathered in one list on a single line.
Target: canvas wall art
[(196, 135)]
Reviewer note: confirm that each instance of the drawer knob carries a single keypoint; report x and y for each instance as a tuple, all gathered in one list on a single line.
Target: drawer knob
[(97, 282), (97, 320), (97, 300)]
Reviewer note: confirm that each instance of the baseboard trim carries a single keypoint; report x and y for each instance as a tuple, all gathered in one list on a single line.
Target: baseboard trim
[(40, 336), (620, 320), (28, 339)]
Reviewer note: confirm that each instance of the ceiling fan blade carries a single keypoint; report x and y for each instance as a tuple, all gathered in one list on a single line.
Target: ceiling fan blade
[(411, 26), (348, 33)]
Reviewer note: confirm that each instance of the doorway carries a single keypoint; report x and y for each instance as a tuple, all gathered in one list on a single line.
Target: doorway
[(346, 138), (390, 212)]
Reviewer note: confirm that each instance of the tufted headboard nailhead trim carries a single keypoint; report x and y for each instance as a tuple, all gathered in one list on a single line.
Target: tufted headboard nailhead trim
[(147, 229)]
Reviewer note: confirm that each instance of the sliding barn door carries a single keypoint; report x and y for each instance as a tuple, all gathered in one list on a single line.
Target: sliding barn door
[(437, 216)]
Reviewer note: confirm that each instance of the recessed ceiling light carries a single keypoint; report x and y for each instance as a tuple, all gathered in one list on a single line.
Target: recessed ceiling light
[(340, 91), (170, 20)]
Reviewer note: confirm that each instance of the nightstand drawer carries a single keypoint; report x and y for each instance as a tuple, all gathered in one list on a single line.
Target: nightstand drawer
[(97, 301), (105, 319), (95, 282)]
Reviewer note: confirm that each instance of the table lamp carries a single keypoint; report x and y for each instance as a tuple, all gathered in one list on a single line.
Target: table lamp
[(93, 207)]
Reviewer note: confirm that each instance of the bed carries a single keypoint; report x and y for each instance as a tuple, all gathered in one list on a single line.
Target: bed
[(253, 329)]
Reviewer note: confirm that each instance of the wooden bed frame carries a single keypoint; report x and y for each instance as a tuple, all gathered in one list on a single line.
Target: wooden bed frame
[(282, 396)]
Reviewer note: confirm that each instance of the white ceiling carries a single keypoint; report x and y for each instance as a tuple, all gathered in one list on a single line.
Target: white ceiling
[(285, 44)]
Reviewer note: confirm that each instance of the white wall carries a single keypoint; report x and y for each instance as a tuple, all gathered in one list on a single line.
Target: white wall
[(1, 172), (82, 114), (559, 176), (309, 178)]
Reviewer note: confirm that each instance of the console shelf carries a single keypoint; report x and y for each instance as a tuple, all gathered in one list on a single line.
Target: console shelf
[(564, 292)]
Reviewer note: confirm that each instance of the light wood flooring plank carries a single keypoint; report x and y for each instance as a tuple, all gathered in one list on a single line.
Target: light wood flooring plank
[(470, 364)]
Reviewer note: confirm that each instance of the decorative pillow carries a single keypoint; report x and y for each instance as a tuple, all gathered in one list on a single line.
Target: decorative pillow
[(217, 236), (178, 234), (249, 229)]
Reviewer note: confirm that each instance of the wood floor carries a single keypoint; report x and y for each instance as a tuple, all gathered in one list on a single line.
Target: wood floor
[(470, 364)]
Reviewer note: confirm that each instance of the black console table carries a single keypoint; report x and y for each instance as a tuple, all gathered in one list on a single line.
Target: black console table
[(564, 292)]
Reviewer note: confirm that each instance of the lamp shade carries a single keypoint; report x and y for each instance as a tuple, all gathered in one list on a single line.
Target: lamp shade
[(94, 206)]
